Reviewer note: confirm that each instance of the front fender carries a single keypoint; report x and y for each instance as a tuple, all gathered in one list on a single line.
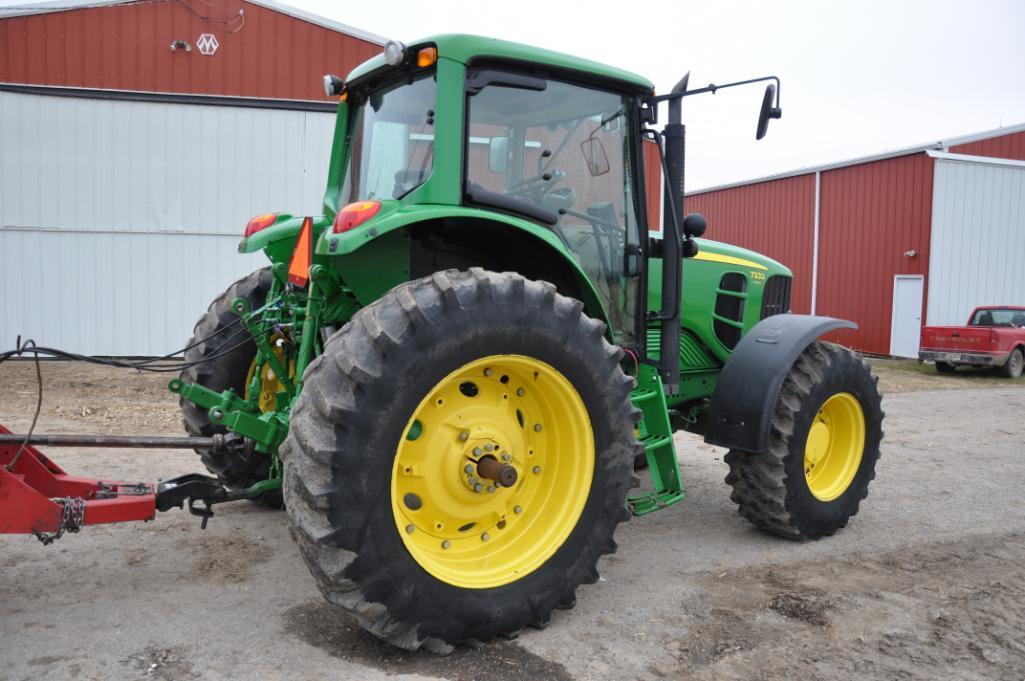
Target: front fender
[(748, 387)]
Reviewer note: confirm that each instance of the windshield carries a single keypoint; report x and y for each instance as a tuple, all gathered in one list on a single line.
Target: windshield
[(563, 153), (391, 142), (998, 316)]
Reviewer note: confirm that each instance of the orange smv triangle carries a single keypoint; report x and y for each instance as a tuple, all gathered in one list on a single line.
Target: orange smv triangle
[(302, 255)]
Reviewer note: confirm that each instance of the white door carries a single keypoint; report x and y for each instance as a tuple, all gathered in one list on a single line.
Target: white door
[(906, 322)]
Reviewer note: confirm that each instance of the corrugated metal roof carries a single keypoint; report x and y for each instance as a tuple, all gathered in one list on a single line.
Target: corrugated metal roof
[(940, 144), (65, 5)]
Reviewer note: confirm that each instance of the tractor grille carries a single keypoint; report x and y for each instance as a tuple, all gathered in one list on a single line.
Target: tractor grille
[(729, 305), (776, 296)]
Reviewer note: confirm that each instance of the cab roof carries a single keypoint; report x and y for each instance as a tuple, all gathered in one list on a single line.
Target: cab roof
[(464, 48)]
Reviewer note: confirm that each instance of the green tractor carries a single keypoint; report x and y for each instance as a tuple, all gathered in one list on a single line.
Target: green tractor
[(450, 377)]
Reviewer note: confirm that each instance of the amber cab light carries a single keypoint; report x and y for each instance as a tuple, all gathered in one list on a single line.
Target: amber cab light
[(426, 56), (260, 222), (355, 214)]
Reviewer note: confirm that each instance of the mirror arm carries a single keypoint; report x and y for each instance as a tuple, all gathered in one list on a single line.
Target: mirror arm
[(712, 87)]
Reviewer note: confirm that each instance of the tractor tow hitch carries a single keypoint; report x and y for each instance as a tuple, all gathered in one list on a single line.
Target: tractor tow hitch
[(196, 488), (37, 497)]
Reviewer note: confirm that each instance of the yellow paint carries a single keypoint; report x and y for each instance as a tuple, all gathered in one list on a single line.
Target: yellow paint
[(835, 445), (470, 536), (729, 260), (270, 385)]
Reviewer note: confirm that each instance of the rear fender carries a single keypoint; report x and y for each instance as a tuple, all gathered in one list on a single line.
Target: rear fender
[(278, 240), (420, 220), (748, 387)]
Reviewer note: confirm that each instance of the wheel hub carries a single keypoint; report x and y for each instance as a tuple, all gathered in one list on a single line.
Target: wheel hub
[(834, 448), (493, 471)]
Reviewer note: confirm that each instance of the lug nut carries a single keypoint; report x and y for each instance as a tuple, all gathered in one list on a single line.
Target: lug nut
[(478, 487), (489, 447), (485, 537), (488, 371), (492, 489), (506, 457), (537, 470), (468, 468), (537, 427), (477, 451), (517, 510), (520, 392), (409, 529), (464, 436), (472, 481), (445, 544)]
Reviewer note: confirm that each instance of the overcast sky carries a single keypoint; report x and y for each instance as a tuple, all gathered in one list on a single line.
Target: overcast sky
[(858, 77)]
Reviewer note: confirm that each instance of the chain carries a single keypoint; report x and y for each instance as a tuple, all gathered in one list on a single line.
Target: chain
[(72, 518)]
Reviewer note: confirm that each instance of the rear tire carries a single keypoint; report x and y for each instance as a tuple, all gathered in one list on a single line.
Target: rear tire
[(233, 469), (1013, 366), (344, 471), (774, 490), (945, 367)]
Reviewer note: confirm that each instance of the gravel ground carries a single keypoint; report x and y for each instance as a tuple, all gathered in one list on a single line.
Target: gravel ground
[(928, 580)]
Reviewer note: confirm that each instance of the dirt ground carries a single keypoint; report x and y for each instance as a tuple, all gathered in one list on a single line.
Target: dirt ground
[(927, 581)]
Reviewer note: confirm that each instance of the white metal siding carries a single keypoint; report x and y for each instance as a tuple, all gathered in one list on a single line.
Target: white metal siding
[(119, 221), (978, 237)]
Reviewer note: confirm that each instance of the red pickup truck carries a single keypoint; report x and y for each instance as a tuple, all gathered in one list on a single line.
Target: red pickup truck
[(994, 337)]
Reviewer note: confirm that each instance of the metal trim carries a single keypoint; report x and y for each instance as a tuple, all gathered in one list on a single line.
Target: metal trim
[(968, 158), (905, 151), (170, 98)]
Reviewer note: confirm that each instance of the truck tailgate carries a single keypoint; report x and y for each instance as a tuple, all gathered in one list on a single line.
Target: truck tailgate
[(957, 338)]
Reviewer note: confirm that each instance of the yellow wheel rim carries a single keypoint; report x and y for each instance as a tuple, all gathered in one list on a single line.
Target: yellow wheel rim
[(836, 442), (270, 385), (471, 531)]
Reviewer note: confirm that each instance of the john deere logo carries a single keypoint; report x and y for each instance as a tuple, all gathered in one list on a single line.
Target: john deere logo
[(207, 44)]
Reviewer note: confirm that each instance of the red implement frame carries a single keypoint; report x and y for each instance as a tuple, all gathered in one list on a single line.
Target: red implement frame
[(30, 489)]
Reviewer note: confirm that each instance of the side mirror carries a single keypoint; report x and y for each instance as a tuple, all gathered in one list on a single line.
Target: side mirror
[(333, 85), (694, 225), (768, 111), (498, 155), (595, 156)]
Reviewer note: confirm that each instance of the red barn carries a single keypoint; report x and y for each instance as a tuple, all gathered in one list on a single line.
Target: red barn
[(919, 235), (242, 48)]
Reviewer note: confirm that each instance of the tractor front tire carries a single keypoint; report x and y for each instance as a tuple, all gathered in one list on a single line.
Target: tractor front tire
[(383, 477), (823, 448), (218, 372)]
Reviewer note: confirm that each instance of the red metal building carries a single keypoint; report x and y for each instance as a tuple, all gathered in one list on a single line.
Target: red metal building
[(242, 48), (857, 233)]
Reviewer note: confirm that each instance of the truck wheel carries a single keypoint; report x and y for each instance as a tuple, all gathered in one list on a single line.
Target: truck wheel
[(1013, 366), (230, 370), (945, 367), (823, 448), (394, 513)]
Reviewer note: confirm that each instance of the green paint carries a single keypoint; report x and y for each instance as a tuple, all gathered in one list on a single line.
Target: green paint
[(656, 434)]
